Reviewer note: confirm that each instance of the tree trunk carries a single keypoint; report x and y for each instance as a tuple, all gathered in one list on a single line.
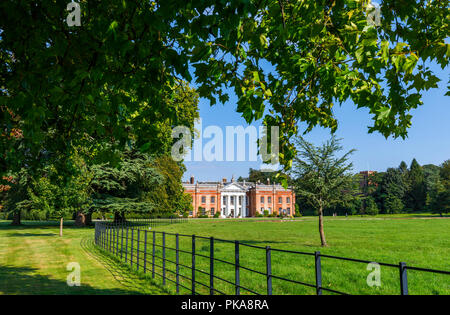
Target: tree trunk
[(88, 218), (322, 234), (61, 227), (16, 218), (80, 219), (119, 217)]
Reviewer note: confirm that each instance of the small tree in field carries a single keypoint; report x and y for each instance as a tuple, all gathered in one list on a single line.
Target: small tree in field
[(320, 176)]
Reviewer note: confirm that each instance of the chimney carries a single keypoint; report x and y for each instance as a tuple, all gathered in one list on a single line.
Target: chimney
[(224, 180), (192, 179)]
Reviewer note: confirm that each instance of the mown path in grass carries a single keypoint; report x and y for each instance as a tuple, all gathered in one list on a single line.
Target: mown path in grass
[(421, 243), (33, 260)]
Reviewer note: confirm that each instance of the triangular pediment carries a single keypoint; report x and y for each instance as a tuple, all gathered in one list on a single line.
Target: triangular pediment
[(233, 187)]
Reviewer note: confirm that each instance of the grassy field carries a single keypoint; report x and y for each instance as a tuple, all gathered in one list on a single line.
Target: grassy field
[(421, 242), (33, 259)]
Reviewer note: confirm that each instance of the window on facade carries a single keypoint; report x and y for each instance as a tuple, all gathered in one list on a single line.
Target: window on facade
[(203, 211), (280, 210), (270, 209), (232, 200), (280, 199), (262, 199), (240, 200), (190, 212), (262, 209), (213, 199), (269, 199), (289, 211), (224, 200), (212, 211), (288, 199), (203, 199)]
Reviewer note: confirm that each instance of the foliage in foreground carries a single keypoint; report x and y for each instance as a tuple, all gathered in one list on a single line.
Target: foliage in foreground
[(93, 79)]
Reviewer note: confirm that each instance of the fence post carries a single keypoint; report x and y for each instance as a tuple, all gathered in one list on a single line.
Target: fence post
[(211, 265), (193, 265), (108, 238), (114, 239), (126, 246), (145, 251), (131, 248), (318, 273), (153, 256), (269, 270), (177, 262), (121, 244), (403, 279), (96, 233), (164, 256), (117, 239), (138, 245), (236, 267)]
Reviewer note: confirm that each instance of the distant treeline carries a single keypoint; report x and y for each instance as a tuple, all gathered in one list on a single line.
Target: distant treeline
[(137, 185), (397, 190)]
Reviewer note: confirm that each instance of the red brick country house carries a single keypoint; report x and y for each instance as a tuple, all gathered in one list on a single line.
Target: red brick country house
[(239, 199)]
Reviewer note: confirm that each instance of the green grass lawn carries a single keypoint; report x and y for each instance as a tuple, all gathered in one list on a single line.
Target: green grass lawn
[(421, 242), (33, 259)]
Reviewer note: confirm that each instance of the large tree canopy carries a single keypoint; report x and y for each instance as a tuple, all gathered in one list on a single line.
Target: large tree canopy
[(298, 57)]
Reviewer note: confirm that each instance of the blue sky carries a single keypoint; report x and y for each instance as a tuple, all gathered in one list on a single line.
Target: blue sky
[(428, 139)]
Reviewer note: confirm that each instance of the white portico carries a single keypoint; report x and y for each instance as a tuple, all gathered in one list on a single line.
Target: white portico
[(233, 201)]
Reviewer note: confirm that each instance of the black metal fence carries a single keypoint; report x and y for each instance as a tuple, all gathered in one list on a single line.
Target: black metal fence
[(147, 250)]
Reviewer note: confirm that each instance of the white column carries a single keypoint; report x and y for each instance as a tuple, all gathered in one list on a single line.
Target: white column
[(228, 205), (236, 205), (236, 212)]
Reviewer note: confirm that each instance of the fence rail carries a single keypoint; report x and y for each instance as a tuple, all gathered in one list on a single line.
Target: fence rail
[(134, 242)]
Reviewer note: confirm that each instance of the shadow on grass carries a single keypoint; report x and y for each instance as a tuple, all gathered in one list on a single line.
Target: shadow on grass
[(122, 272), (25, 281), (30, 234), (5, 225)]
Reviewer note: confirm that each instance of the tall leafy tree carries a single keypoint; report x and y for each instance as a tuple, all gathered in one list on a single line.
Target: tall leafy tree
[(16, 195), (169, 194), (403, 167), (432, 182), (68, 81), (416, 195), (445, 172), (321, 176), (392, 191), (441, 202), (122, 188)]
